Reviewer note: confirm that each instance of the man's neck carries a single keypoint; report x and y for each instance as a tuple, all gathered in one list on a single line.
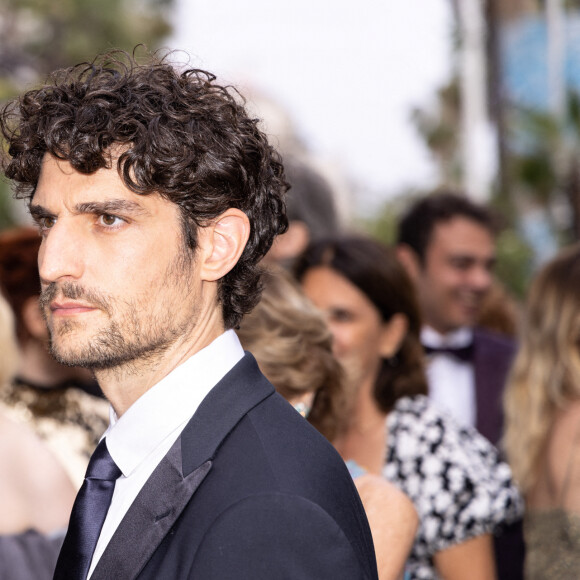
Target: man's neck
[(123, 385), (457, 336)]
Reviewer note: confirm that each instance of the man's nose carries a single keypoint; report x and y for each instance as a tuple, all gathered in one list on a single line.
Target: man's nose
[(61, 254), (481, 278)]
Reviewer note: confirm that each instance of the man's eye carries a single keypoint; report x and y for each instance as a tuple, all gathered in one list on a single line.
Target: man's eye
[(110, 220), (46, 222), (462, 264)]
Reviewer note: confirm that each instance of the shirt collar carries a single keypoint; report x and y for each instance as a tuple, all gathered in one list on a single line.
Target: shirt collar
[(455, 339), (168, 405)]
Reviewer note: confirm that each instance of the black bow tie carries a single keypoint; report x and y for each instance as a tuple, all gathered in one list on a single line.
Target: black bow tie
[(463, 353)]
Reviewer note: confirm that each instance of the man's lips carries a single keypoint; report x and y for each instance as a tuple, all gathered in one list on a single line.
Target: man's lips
[(70, 308)]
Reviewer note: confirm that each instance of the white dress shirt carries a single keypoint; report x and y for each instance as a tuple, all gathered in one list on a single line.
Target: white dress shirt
[(451, 381), (142, 436)]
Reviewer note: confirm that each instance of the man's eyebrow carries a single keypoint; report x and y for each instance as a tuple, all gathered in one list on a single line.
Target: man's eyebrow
[(110, 206), (467, 257), (38, 212), (463, 256)]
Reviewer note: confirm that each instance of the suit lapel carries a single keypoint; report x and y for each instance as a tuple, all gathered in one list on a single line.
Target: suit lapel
[(150, 517), (232, 398), (171, 486)]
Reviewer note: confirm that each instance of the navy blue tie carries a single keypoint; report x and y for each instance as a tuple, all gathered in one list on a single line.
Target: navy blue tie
[(88, 515)]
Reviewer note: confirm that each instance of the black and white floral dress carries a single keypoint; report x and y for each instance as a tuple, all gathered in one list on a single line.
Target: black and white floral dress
[(452, 474)]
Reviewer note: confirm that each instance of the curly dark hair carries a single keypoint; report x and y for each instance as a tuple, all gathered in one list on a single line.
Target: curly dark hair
[(374, 269), (181, 135)]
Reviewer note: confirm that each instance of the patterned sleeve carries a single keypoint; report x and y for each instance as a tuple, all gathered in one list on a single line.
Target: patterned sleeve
[(453, 475)]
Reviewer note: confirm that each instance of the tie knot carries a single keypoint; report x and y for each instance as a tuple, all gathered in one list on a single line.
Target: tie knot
[(101, 466)]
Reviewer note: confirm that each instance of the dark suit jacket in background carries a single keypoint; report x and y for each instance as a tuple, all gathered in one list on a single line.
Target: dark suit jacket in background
[(492, 358), (249, 491), (493, 355)]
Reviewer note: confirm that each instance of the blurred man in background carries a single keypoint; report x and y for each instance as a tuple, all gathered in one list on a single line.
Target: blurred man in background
[(447, 244)]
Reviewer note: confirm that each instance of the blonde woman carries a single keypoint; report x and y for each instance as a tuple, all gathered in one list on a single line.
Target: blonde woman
[(542, 405), (293, 347)]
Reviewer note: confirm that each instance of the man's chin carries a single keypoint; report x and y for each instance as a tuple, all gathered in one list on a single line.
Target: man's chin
[(470, 318), (465, 316), (97, 354), (70, 358), (71, 351)]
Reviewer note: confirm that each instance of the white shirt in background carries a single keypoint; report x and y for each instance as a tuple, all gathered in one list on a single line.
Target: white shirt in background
[(451, 381)]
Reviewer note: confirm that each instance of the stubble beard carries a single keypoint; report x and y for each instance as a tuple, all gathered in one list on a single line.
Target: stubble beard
[(133, 337)]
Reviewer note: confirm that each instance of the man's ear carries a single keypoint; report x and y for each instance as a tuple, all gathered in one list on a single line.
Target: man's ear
[(221, 244), (410, 261), (393, 334)]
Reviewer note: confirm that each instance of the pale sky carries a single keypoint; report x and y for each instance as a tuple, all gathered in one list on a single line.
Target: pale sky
[(348, 74)]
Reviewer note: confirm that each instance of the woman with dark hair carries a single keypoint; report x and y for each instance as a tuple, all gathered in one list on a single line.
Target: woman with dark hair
[(453, 475)]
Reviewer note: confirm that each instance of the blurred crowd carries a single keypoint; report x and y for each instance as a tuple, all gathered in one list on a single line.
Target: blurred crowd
[(454, 407), (456, 394)]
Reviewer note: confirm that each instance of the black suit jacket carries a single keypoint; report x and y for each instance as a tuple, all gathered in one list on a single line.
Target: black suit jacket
[(249, 491), (492, 358)]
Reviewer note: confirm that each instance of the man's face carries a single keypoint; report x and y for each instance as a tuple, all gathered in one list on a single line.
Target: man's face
[(118, 284), (456, 274)]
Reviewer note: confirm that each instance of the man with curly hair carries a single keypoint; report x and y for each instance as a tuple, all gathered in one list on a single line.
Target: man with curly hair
[(156, 196)]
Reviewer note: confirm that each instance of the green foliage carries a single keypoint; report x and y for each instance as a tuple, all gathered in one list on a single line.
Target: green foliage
[(382, 226), (439, 128), (7, 217), (542, 166), (514, 262), (540, 171), (384, 223), (534, 139), (536, 173), (39, 36)]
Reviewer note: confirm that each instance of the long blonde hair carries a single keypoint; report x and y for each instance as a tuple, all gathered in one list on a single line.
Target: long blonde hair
[(546, 372)]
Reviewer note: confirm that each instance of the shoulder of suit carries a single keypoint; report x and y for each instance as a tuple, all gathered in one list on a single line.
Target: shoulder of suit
[(300, 537), (484, 337)]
